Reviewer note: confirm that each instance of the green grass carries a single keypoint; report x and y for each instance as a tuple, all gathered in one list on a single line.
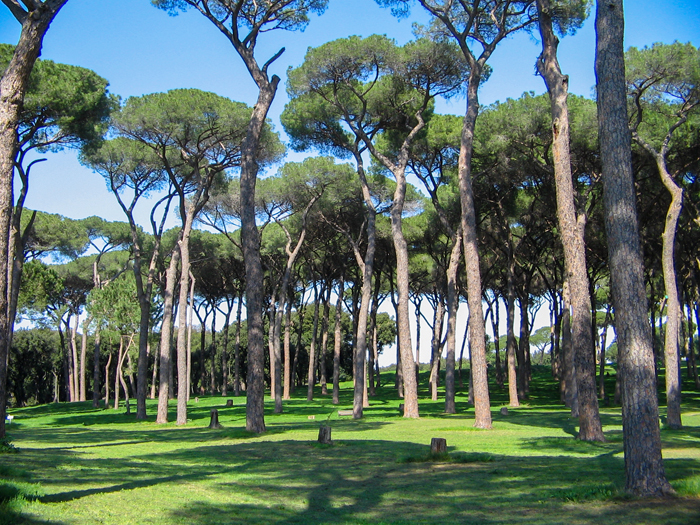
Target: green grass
[(80, 465)]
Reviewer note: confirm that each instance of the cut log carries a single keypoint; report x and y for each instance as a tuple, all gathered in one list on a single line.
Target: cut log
[(438, 446), (504, 411), (214, 423), (324, 435), (345, 412)]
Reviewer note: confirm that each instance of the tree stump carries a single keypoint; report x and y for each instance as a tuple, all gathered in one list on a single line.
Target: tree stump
[(504, 411), (214, 423), (438, 446), (324, 435), (128, 408), (229, 402)]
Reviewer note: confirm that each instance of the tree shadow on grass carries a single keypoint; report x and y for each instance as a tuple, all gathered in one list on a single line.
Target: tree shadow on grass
[(362, 482)]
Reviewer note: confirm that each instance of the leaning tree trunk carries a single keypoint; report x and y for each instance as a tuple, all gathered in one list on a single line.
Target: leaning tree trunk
[(572, 231), (13, 86), (360, 348), (644, 468)]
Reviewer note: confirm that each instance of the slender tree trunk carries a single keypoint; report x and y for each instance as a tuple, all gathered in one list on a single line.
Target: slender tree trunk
[(190, 311), (118, 372), (644, 467), (360, 348), (408, 363), (96, 370), (572, 230), (109, 362), (212, 376), (75, 363), (324, 339), (237, 348), (165, 336), (154, 379), (13, 86), (184, 250), (511, 343), (312, 348), (224, 352), (337, 339), (436, 347), (603, 342), (523, 340), (477, 332), (83, 360), (495, 320), (286, 394)]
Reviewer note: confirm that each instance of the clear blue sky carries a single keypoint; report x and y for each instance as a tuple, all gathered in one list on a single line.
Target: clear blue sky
[(140, 49)]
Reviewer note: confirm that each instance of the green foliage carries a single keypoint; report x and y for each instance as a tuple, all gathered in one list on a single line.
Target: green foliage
[(64, 105), (288, 15), (35, 356)]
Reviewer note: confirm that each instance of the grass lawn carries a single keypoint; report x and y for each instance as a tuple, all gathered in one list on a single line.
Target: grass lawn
[(76, 464)]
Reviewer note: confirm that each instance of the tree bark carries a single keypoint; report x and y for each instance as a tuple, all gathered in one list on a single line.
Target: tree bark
[(312, 348), (13, 86), (165, 336), (336, 339), (96, 370), (644, 467), (572, 229)]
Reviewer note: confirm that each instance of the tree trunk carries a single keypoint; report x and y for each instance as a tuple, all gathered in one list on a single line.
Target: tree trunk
[(572, 230), (336, 340), (523, 342), (83, 359), (286, 394), (237, 348), (184, 249), (212, 376), (367, 266), (312, 349), (644, 467), (408, 363), (569, 382), (13, 86), (96, 371), (436, 347), (511, 343), (673, 312), (224, 353), (109, 362), (190, 311), (165, 336), (477, 332), (250, 239)]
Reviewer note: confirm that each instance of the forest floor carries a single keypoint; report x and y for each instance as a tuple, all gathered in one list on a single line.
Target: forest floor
[(75, 464)]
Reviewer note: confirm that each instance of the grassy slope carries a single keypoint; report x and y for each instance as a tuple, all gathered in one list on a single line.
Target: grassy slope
[(81, 465)]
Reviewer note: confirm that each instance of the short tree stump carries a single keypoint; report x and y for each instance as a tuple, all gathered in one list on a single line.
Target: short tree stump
[(214, 423), (324, 435), (229, 402), (438, 446)]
